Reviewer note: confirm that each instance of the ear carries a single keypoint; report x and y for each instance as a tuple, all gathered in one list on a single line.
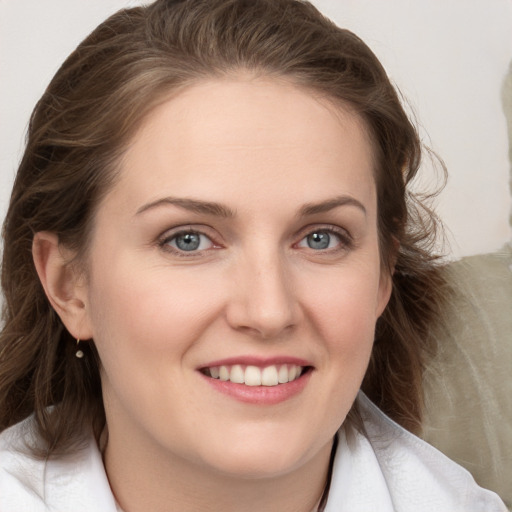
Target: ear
[(386, 279), (385, 289), (64, 286)]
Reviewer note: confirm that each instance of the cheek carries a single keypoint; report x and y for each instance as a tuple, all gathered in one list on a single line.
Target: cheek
[(149, 309), (345, 307), (343, 313), (146, 321)]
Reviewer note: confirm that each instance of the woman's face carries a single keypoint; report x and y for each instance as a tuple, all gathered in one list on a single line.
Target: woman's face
[(234, 278)]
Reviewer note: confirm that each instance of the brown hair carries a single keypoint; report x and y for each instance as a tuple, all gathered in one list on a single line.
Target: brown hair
[(80, 128)]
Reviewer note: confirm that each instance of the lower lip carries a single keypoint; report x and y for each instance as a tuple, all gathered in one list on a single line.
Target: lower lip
[(261, 395)]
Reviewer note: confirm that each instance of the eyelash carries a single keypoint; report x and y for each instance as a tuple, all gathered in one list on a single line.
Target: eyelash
[(346, 241), (165, 241)]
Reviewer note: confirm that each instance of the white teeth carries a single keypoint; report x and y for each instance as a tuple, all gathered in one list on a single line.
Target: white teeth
[(283, 375), (237, 374), (223, 373), (269, 376), (254, 376)]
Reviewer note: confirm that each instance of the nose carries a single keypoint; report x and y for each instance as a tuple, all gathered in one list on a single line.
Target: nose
[(263, 301)]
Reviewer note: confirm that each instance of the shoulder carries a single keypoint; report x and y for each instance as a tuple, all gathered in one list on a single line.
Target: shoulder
[(74, 482), (21, 476), (387, 468), (407, 473)]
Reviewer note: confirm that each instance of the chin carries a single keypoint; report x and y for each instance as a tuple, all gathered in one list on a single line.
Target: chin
[(258, 457)]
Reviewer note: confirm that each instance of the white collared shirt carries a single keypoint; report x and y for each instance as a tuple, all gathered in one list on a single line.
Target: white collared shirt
[(387, 470)]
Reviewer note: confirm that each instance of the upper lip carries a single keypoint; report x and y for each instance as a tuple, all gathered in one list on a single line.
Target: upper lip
[(261, 362)]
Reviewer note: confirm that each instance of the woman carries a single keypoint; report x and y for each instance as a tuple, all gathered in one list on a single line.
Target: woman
[(210, 248)]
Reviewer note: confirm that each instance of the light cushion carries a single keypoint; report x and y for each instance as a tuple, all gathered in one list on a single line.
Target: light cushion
[(468, 385)]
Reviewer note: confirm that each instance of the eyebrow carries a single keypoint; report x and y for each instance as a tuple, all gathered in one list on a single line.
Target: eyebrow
[(192, 205), (219, 210), (330, 204)]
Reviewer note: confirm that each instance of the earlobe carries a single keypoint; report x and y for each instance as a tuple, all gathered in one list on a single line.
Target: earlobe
[(62, 284)]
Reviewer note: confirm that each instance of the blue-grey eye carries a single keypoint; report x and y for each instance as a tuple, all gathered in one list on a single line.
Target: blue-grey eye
[(320, 240), (190, 241)]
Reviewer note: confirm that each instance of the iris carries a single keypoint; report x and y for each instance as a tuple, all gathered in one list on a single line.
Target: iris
[(318, 240)]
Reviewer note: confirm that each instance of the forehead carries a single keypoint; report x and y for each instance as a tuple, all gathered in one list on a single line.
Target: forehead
[(241, 134)]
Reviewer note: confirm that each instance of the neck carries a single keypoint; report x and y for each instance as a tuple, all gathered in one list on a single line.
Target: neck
[(144, 480)]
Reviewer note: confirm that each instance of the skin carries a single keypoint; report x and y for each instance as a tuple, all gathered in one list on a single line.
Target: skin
[(266, 151)]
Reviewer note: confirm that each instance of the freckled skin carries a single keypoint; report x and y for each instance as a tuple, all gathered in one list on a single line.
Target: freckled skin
[(263, 149)]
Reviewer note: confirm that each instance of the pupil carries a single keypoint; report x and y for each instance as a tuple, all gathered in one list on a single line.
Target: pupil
[(319, 240), (188, 241)]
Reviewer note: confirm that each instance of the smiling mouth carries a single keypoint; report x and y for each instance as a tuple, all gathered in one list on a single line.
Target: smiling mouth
[(272, 375)]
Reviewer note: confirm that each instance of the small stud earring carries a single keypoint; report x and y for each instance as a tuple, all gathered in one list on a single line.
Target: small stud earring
[(79, 353)]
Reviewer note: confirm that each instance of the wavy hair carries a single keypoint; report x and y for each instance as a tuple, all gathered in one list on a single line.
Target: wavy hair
[(82, 124)]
